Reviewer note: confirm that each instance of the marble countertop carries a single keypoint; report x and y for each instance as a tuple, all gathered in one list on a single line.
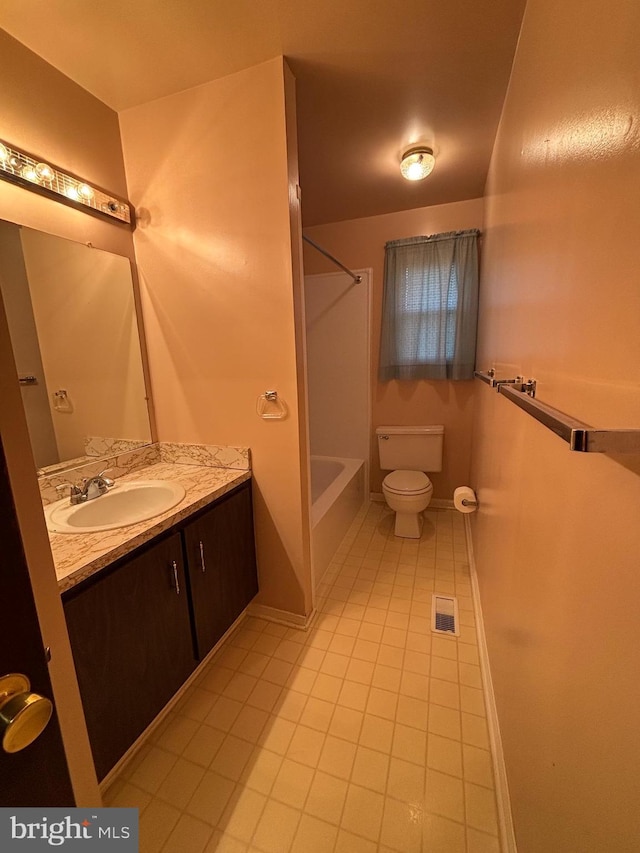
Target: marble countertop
[(78, 556)]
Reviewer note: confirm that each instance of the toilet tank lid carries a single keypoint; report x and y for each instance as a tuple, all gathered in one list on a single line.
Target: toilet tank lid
[(434, 429)]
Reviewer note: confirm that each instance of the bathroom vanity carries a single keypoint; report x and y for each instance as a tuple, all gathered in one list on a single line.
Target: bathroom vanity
[(139, 624)]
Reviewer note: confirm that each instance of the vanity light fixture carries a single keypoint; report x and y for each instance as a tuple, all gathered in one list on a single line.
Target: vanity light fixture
[(417, 163), (25, 170)]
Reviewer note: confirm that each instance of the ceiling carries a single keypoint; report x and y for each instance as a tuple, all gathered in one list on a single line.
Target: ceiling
[(373, 77)]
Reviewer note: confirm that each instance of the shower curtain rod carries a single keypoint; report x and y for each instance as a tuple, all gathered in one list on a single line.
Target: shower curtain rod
[(357, 278)]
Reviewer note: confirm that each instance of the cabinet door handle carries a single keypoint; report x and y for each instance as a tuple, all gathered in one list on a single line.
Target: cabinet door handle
[(174, 565), (202, 562)]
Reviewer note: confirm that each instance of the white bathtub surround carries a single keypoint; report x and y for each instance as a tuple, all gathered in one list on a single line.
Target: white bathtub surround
[(337, 494), (337, 317)]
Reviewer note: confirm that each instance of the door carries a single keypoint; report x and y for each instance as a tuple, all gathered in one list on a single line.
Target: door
[(38, 774)]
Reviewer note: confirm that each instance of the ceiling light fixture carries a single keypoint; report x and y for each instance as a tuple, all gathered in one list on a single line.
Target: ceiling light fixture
[(25, 170), (417, 163)]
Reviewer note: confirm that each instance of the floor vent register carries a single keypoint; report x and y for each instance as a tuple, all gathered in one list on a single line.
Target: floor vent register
[(444, 615)]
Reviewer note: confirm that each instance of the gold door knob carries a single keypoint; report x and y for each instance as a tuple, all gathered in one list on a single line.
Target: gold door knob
[(23, 715)]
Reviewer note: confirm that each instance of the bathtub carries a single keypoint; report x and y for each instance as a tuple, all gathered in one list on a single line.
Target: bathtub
[(337, 493)]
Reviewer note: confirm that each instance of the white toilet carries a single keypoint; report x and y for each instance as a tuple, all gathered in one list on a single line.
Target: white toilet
[(409, 452)]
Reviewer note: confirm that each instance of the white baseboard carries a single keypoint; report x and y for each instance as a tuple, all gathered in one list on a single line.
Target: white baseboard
[(283, 617), (503, 802)]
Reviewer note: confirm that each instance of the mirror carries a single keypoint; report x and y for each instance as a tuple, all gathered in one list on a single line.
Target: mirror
[(74, 331)]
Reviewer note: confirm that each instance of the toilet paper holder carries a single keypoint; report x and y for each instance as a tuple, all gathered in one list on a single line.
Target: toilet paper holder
[(465, 499)]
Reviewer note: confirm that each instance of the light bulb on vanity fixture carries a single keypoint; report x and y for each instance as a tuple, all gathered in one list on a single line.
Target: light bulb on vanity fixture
[(417, 162), (85, 192), (31, 172), (45, 173)]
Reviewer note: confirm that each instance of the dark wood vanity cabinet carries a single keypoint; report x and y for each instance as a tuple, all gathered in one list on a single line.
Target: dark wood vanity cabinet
[(139, 627), (221, 561), (130, 633)]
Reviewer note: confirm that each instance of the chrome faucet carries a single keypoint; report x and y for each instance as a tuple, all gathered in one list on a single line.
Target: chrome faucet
[(89, 489)]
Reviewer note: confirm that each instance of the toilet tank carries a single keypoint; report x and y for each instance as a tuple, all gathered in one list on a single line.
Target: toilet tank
[(414, 448)]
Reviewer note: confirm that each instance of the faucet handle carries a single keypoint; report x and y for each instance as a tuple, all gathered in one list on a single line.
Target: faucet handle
[(74, 491), (109, 483)]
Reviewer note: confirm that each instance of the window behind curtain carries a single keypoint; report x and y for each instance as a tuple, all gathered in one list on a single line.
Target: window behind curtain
[(430, 307)]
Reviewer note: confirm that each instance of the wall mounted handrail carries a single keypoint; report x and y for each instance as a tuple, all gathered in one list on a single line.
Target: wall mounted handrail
[(357, 278), (580, 436)]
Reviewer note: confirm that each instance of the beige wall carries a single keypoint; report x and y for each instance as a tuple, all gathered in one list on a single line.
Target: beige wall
[(557, 537), (46, 114), (359, 244), (210, 170)]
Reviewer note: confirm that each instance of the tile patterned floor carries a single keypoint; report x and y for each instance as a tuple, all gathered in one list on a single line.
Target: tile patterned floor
[(366, 733)]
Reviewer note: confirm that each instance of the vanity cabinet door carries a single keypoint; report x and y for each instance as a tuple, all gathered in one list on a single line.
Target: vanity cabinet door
[(221, 561), (132, 645)]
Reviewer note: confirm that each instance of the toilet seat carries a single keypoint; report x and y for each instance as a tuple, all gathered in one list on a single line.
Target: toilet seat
[(407, 483)]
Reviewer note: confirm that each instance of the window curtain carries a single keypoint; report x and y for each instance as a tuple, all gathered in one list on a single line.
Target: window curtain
[(430, 307)]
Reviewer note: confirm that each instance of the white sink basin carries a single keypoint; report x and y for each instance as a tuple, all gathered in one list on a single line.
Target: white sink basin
[(125, 503)]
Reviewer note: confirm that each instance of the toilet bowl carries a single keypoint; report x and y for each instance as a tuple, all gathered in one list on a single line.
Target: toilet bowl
[(408, 452), (408, 493)]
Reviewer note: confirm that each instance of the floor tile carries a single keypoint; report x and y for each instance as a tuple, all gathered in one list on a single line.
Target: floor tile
[(314, 836), (180, 783), (363, 812), (478, 767), (188, 834), (402, 826), (292, 783), (406, 781), (337, 757), (306, 746), (153, 769), (242, 813), (261, 770), (326, 797), (157, 822), (445, 795), (277, 828), (445, 755), (210, 798), (365, 734), (370, 769), (480, 806)]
